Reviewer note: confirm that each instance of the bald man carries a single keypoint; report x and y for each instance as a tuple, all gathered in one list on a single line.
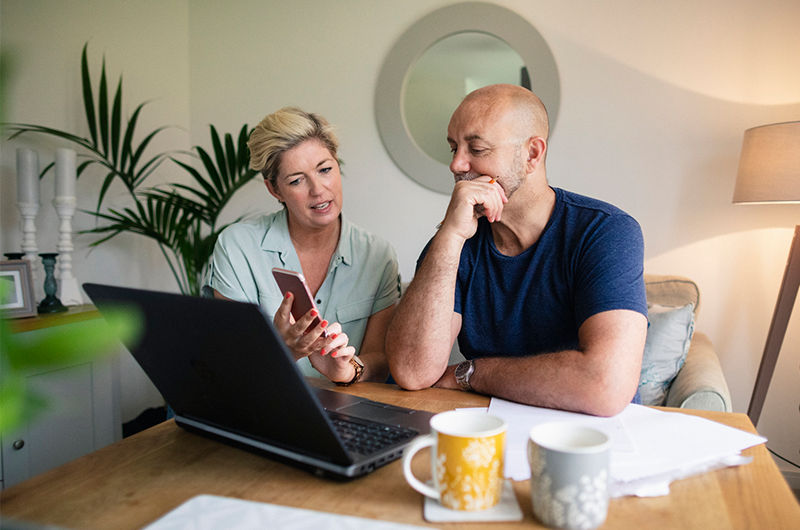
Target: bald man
[(543, 288)]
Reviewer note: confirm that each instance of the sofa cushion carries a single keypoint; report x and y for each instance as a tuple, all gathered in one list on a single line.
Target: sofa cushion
[(669, 336), (671, 291)]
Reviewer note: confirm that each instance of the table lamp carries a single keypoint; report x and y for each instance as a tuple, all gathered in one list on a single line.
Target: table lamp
[(769, 173)]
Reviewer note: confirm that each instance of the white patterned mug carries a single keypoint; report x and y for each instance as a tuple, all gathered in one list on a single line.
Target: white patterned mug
[(467, 449), (569, 474)]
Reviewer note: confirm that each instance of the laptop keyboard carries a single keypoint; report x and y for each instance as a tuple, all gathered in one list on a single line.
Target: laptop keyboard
[(365, 437)]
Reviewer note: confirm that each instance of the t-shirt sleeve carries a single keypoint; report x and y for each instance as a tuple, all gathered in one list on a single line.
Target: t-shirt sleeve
[(610, 272), (229, 269)]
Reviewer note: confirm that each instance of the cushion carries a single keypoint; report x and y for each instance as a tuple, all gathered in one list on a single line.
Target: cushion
[(669, 335), (672, 291)]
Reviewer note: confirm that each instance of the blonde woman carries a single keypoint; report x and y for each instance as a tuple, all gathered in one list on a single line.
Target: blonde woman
[(352, 274)]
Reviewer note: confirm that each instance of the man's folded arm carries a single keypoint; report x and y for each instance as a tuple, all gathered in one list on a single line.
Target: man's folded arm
[(599, 378)]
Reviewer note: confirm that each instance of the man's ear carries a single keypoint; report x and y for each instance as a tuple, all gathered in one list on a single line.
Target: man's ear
[(537, 147), (273, 191)]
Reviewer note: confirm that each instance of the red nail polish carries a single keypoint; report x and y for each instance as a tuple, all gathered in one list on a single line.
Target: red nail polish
[(324, 324), (322, 351), (334, 336), (314, 312)]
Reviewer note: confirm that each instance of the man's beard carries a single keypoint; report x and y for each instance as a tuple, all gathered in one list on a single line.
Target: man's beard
[(509, 185), (470, 175)]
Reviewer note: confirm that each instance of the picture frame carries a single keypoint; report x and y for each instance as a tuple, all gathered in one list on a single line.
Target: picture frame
[(16, 300)]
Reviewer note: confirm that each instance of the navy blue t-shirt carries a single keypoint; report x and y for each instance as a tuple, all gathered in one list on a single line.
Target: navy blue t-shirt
[(588, 259)]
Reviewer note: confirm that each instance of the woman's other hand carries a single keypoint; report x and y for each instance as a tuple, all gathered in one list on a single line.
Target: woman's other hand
[(333, 359)]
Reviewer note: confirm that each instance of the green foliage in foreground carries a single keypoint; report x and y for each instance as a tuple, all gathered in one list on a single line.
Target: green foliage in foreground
[(52, 348)]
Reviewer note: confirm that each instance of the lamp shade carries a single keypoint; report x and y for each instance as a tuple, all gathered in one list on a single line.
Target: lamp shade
[(769, 168)]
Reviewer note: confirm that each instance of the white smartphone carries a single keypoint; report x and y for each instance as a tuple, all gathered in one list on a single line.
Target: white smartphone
[(293, 282)]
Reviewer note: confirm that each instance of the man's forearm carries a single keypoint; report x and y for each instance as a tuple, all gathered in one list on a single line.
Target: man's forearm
[(558, 380), (419, 338), (600, 378)]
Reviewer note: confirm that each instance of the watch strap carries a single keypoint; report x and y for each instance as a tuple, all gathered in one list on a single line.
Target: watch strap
[(358, 365)]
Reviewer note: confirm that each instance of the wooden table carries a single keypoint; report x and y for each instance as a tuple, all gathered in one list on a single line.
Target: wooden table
[(139, 479)]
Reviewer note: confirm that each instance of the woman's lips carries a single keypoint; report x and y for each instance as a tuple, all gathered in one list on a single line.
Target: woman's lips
[(321, 205)]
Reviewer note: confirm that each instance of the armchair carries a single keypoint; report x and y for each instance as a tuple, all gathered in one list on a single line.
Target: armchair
[(700, 383)]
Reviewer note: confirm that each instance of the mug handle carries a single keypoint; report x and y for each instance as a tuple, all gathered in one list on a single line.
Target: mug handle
[(415, 446)]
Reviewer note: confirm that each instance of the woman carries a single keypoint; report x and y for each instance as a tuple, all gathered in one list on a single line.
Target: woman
[(352, 274)]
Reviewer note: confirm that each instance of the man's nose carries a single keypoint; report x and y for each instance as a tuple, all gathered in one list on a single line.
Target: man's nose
[(460, 162)]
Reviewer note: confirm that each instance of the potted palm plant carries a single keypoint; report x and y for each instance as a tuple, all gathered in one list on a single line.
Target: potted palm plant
[(182, 219)]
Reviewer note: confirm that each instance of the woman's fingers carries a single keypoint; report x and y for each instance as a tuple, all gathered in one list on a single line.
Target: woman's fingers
[(343, 354), (302, 336), (283, 316)]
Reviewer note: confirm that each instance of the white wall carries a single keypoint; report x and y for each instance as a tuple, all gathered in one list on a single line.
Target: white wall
[(655, 99)]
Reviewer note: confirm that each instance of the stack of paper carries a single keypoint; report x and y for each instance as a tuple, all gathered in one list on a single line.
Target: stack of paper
[(649, 448)]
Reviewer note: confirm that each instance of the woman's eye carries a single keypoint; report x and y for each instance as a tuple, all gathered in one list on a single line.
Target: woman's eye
[(325, 170), (294, 182)]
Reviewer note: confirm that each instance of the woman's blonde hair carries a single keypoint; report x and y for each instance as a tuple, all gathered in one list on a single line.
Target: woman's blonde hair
[(282, 130)]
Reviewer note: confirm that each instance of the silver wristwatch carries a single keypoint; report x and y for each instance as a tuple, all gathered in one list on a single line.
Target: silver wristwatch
[(464, 371)]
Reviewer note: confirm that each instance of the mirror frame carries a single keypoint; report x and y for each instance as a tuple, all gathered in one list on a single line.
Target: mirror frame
[(481, 17)]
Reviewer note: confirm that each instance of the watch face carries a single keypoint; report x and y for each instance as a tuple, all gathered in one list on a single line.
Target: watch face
[(461, 369), (462, 373)]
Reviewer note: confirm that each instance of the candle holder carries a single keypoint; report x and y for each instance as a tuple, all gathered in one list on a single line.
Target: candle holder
[(51, 303), (68, 290), (29, 211), (14, 255)]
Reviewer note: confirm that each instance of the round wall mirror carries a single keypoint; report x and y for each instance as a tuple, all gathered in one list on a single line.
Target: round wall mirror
[(438, 61), (444, 74)]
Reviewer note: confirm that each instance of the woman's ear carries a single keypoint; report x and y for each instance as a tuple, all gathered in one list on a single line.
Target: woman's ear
[(273, 190)]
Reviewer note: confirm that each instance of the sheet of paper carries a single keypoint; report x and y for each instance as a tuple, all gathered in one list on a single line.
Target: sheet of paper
[(649, 448), (521, 418), (672, 442), (213, 512)]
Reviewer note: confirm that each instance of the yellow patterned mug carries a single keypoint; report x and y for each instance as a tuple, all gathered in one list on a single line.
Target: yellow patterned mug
[(467, 449)]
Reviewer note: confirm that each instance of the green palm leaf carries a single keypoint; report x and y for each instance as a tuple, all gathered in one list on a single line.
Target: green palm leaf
[(88, 98), (102, 110), (116, 119)]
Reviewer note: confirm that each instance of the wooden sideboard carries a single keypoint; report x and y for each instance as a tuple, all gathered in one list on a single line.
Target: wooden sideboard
[(82, 413)]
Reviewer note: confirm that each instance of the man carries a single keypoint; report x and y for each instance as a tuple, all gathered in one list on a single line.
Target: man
[(544, 288)]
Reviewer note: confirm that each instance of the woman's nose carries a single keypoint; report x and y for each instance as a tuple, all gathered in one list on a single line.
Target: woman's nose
[(314, 187)]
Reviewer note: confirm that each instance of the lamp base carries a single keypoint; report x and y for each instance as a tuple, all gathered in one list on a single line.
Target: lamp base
[(777, 328)]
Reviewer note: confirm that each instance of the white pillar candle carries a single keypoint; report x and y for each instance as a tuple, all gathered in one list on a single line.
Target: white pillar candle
[(27, 176), (65, 172)]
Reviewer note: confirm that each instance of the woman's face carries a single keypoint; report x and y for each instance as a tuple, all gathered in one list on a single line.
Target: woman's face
[(310, 185)]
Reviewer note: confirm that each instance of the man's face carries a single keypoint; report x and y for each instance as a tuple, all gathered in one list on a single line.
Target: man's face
[(483, 142)]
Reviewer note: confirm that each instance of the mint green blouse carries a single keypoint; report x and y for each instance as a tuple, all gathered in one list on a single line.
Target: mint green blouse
[(362, 276)]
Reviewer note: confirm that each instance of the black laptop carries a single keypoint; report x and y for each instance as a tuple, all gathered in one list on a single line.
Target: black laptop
[(227, 374)]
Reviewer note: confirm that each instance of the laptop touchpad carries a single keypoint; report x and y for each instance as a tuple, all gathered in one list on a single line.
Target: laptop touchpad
[(377, 412)]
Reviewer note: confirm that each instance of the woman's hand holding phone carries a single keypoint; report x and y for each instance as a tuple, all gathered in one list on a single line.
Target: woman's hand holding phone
[(304, 336), (298, 321)]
